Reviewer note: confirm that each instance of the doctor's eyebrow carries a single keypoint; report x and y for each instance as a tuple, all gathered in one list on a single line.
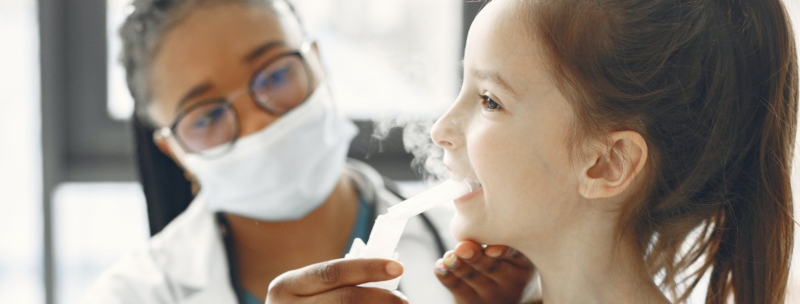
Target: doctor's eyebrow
[(194, 92), (249, 58), (495, 78), (261, 50)]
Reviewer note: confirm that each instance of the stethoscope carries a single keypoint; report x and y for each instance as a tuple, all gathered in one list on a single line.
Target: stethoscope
[(227, 240)]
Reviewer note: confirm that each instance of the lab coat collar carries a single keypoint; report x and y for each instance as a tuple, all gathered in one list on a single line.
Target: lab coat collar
[(190, 250)]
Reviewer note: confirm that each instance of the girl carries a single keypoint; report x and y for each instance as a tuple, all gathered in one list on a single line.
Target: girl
[(620, 142)]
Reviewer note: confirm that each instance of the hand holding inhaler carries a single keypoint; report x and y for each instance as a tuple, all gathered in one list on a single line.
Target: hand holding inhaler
[(335, 282), (389, 227)]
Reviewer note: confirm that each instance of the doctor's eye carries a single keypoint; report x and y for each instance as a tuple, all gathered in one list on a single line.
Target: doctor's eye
[(276, 78), (205, 118), (277, 75), (489, 104)]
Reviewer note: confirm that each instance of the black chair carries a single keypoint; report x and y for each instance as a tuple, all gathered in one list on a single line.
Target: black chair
[(165, 187)]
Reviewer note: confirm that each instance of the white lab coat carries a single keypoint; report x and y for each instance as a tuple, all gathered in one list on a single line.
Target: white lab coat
[(186, 262)]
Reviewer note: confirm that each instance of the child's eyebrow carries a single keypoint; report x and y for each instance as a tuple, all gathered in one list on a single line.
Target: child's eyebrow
[(494, 77)]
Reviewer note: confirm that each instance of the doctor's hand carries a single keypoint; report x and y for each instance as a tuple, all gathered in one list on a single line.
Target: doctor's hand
[(495, 274), (335, 282)]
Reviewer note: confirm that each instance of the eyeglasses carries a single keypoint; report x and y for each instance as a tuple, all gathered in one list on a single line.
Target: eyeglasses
[(211, 127)]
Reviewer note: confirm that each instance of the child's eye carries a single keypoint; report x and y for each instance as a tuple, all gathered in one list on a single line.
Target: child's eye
[(489, 104)]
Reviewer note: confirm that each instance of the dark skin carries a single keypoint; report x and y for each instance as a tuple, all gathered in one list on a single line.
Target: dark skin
[(335, 282), (494, 274), (311, 240), (212, 48)]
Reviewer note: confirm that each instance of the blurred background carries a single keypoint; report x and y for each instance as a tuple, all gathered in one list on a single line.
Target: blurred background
[(71, 204)]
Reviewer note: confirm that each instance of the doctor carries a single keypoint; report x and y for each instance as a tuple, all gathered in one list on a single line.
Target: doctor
[(241, 102)]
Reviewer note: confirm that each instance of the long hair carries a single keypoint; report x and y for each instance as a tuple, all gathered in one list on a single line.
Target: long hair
[(712, 86)]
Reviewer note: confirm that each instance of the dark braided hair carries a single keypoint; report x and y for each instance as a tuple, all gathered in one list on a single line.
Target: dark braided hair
[(143, 30)]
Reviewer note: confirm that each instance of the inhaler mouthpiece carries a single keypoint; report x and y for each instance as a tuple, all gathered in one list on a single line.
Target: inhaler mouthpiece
[(389, 227)]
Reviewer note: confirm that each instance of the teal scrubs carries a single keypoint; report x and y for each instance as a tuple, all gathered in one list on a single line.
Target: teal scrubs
[(360, 230)]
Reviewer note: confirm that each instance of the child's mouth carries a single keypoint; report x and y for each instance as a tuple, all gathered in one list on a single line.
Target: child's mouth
[(476, 188)]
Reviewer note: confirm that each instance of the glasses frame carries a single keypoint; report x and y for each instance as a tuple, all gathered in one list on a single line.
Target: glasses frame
[(228, 101)]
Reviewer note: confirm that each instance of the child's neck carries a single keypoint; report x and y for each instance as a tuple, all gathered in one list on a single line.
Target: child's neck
[(589, 263)]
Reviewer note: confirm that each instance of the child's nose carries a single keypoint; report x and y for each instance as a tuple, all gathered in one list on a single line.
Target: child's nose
[(444, 131)]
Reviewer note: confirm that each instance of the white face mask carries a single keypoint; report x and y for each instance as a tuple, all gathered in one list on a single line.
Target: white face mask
[(280, 173)]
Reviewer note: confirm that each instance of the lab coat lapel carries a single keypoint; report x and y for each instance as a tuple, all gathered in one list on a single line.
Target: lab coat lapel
[(196, 261)]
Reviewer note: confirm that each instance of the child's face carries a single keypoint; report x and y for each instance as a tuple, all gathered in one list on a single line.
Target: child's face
[(508, 129)]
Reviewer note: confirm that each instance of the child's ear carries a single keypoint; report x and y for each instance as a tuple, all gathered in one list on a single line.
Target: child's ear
[(609, 170)]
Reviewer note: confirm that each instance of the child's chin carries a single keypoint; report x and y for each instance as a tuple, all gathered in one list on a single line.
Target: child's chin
[(463, 230)]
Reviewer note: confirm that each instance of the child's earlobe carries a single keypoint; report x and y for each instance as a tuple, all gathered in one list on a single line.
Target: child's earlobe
[(614, 167)]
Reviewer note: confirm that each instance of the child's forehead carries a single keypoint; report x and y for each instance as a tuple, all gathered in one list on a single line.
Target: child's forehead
[(503, 12), (502, 25), (500, 43)]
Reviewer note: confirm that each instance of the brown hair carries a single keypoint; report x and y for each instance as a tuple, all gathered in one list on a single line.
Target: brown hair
[(712, 86)]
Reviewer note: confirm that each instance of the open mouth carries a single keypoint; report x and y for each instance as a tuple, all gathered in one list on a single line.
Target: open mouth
[(474, 184), (475, 188), (468, 196)]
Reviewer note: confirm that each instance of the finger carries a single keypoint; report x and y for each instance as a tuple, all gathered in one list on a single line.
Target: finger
[(473, 254), (508, 254), (466, 273), (456, 286), (513, 269), (354, 294), (325, 276)]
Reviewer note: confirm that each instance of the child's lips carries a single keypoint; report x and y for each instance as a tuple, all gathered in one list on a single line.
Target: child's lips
[(469, 179), (466, 197), (475, 185)]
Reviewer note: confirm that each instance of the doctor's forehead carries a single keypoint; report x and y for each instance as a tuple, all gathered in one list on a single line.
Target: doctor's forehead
[(214, 43)]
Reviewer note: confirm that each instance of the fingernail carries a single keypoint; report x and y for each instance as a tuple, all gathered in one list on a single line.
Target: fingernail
[(394, 269), (512, 252), (400, 295), (451, 261), (467, 255), (439, 267), (493, 252)]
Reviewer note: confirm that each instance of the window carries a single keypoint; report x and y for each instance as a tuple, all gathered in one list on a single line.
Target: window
[(388, 57), (20, 148), (383, 58), (94, 225), (120, 102)]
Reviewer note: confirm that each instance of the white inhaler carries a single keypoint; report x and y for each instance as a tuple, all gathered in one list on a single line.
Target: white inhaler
[(389, 226)]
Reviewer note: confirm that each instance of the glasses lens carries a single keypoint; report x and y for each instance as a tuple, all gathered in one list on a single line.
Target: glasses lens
[(282, 84), (207, 126)]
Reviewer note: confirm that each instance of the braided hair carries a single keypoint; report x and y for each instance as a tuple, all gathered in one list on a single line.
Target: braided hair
[(142, 33)]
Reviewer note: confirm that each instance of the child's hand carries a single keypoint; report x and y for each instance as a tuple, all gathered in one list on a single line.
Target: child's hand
[(495, 274)]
